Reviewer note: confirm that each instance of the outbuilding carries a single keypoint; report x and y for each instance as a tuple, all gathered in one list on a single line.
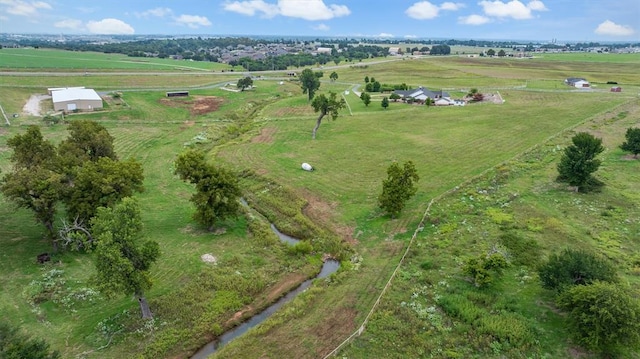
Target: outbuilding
[(616, 89), (73, 99), (578, 82)]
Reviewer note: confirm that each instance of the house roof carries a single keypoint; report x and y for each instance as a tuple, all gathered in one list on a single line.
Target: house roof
[(74, 94), (421, 93), (575, 79)]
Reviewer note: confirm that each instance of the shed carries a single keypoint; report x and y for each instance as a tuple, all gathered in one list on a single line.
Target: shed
[(616, 89), (177, 93), (76, 99)]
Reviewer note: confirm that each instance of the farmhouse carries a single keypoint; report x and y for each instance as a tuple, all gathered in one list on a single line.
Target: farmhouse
[(394, 51), (421, 94), (577, 82), (76, 99)]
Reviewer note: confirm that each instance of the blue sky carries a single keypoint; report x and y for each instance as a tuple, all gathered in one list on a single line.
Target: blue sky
[(543, 20)]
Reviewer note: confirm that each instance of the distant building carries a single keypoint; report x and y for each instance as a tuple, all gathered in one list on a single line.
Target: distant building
[(324, 50), (577, 82), (73, 99), (616, 89), (394, 51), (51, 89), (421, 94)]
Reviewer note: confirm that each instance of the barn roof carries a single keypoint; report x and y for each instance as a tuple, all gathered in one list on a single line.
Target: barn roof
[(74, 94)]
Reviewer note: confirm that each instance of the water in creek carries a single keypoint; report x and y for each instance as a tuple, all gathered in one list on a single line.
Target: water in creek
[(329, 267)]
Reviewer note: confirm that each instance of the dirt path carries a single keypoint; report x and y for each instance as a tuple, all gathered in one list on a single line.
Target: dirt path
[(32, 107)]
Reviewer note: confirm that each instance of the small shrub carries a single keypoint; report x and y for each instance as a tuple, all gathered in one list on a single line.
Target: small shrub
[(482, 269), (426, 265), (575, 267), (300, 248)]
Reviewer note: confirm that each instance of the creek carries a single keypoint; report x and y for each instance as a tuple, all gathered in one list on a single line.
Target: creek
[(329, 267)]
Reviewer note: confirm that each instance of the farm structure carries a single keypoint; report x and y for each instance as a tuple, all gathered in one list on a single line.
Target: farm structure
[(177, 93), (73, 99), (421, 94), (50, 90), (616, 89), (578, 82)]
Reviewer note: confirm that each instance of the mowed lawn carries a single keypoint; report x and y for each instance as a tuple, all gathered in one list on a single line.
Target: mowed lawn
[(447, 144)]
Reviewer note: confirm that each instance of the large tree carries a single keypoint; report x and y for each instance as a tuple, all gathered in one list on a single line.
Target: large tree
[(603, 316), (309, 82), (87, 141), (326, 105), (217, 189), (366, 98), (398, 188), (632, 143), (385, 102), (122, 258), (244, 83), (579, 161), (35, 183), (102, 183)]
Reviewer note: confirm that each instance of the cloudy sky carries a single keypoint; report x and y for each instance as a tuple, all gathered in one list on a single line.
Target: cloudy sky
[(564, 20)]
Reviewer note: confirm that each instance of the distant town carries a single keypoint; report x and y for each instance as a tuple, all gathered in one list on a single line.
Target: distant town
[(257, 53)]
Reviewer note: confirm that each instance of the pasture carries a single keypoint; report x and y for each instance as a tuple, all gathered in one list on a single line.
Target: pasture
[(30, 59), (265, 134)]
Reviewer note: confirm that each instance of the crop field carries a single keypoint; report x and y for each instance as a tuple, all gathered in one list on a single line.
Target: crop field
[(488, 167)]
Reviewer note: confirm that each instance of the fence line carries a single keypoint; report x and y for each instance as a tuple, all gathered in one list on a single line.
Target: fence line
[(5, 116)]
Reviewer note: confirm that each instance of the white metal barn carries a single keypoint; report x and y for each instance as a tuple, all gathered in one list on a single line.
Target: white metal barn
[(76, 99)]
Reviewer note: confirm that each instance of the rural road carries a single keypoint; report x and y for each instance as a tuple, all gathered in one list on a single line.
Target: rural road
[(174, 73)]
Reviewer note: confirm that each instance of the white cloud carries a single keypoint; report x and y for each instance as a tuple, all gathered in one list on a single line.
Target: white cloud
[(422, 10), (308, 10), (473, 20), (513, 9), (157, 12), (110, 26), (610, 28), (410, 36), (252, 7), (311, 9), (69, 24), (321, 27), (451, 6), (537, 5), (25, 8), (384, 34), (193, 21)]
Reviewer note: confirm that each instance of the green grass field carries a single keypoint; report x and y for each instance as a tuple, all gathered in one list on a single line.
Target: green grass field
[(31, 59), (490, 167)]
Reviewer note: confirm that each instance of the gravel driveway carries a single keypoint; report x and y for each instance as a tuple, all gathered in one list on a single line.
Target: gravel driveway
[(32, 107)]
